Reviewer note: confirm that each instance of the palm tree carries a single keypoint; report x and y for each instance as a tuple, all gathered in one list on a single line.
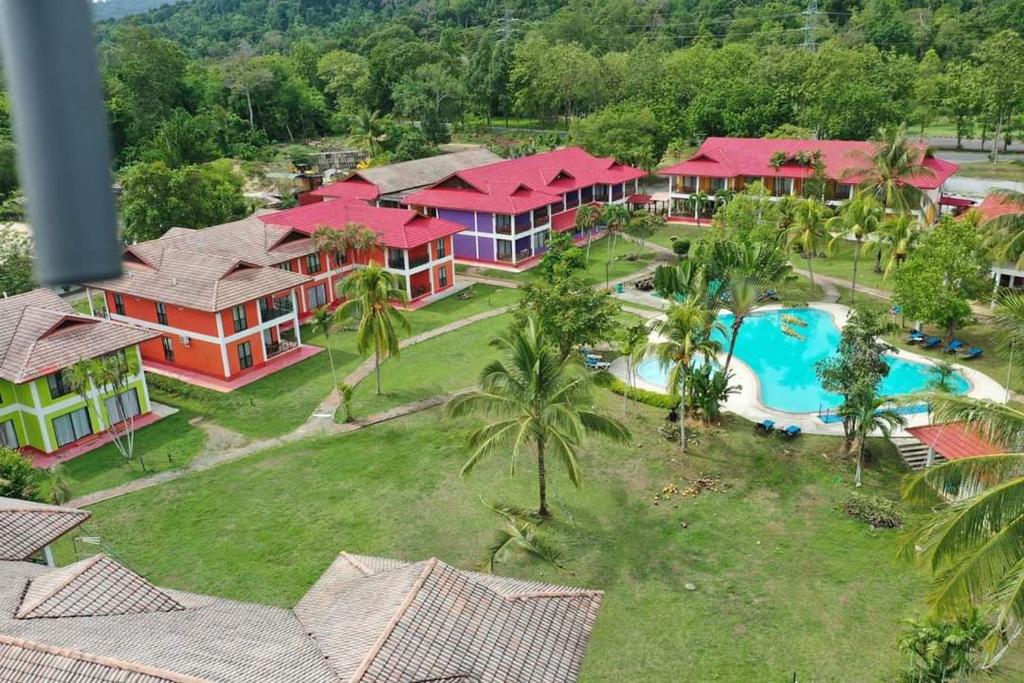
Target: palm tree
[(1004, 234), (368, 129), (586, 218), (534, 398), (741, 302), (858, 219), (870, 414), (329, 241), (807, 229), (113, 373), (697, 201), (369, 292), (632, 346), (886, 171), (322, 320), (973, 545), (614, 217), (686, 333), (361, 240), (900, 234)]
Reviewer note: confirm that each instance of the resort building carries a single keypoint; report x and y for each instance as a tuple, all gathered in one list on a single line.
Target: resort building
[(1008, 275), (508, 209), (366, 620), (389, 185), (223, 303), (415, 249), (41, 336), (782, 166), (27, 529)]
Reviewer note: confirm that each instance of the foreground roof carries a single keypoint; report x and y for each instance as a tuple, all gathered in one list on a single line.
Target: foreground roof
[(954, 440), (27, 527), (40, 333), (731, 157), (398, 228), (406, 175), (367, 619), (198, 271), (519, 185), (994, 206)]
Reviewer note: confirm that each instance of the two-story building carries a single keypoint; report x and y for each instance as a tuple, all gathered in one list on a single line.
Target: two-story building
[(224, 302), (782, 166), (507, 209), (389, 185), (416, 249), (41, 336)]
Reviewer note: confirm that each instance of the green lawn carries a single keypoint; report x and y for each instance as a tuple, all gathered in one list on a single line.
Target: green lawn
[(680, 231), (167, 444), (280, 403), (595, 273), (1002, 170), (840, 264), (440, 365), (784, 581)]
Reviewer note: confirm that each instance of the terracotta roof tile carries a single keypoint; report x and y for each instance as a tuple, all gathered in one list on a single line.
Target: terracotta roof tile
[(369, 183), (40, 333), (27, 527)]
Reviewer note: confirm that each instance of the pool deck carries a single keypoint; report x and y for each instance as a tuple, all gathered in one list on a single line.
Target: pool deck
[(747, 403)]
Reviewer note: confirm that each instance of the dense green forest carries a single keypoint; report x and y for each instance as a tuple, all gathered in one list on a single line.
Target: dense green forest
[(200, 80)]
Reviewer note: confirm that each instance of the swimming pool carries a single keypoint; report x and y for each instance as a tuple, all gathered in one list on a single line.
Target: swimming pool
[(785, 365)]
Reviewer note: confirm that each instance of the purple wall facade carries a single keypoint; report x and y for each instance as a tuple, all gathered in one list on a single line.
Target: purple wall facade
[(522, 221), (485, 222), (461, 217), (486, 248), (522, 243), (465, 246)]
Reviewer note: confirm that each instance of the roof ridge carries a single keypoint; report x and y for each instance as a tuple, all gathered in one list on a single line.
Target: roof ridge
[(428, 568), (549, 594), (17, 323), (356, 563), (86, 564), (98, 659)]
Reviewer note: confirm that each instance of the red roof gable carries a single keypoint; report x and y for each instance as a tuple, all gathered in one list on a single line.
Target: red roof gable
[(994, 206), (399, 228), (954, 440), (350, 188), (546, 176), (731, 157)]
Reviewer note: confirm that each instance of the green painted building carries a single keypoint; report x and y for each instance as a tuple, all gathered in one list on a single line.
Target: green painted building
[(40, 337)]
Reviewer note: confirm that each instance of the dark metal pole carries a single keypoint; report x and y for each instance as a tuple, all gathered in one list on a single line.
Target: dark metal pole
[(63, 143)]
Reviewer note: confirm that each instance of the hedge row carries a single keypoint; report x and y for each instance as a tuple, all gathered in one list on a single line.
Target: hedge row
[(651, 398)]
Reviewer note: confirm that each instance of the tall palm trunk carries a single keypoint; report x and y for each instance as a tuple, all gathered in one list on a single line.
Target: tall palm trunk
[(542, 481), (736, 324), (856, 258), (682, 411), (810, 271), (860, 461), (376, 362), (878, 261)]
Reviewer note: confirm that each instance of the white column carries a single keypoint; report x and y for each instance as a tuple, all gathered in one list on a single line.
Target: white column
[(259, 326), (430, 266), (295, 320), (88, 295), (40, 415), (223, 344), (48, 557), (931, 457)]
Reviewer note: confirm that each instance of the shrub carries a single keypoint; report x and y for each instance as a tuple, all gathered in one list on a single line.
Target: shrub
[(651, 398), (880, 513), (18, 479), (681, 247)]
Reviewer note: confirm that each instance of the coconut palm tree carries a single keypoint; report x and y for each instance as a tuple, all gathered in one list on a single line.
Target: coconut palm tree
[(741, 302), (329, 241), (112, 373), (361, 240), (807, 230), (614, 217), (685, 334), (696, 201), (886, 171), (899, 235), (858, 220), (533, 399), (368, 129), (870, 414), (632, 345), (322, 320), (369, 293), (586, 218)]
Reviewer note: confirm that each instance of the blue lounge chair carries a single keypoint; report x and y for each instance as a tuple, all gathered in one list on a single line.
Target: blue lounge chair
[(595, 363), (971, 353), (791, 432), (931, 343), (953, 346), (766, 426), (915, 337)]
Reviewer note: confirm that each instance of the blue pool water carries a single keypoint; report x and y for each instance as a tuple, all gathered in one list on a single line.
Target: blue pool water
[(785, 366)]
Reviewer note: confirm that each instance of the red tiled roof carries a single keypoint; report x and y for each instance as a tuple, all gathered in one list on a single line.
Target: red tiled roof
[(954, 440), (519, 185), (350, 188), (994, 206), (959, 202), (731, 157), (399, 228)]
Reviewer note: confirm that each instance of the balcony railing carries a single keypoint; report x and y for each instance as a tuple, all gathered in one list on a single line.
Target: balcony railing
[(279, 347), (279, 309), (420, 260), (396, 261)]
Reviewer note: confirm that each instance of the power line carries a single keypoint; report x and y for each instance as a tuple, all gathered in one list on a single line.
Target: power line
[(811, 15)]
